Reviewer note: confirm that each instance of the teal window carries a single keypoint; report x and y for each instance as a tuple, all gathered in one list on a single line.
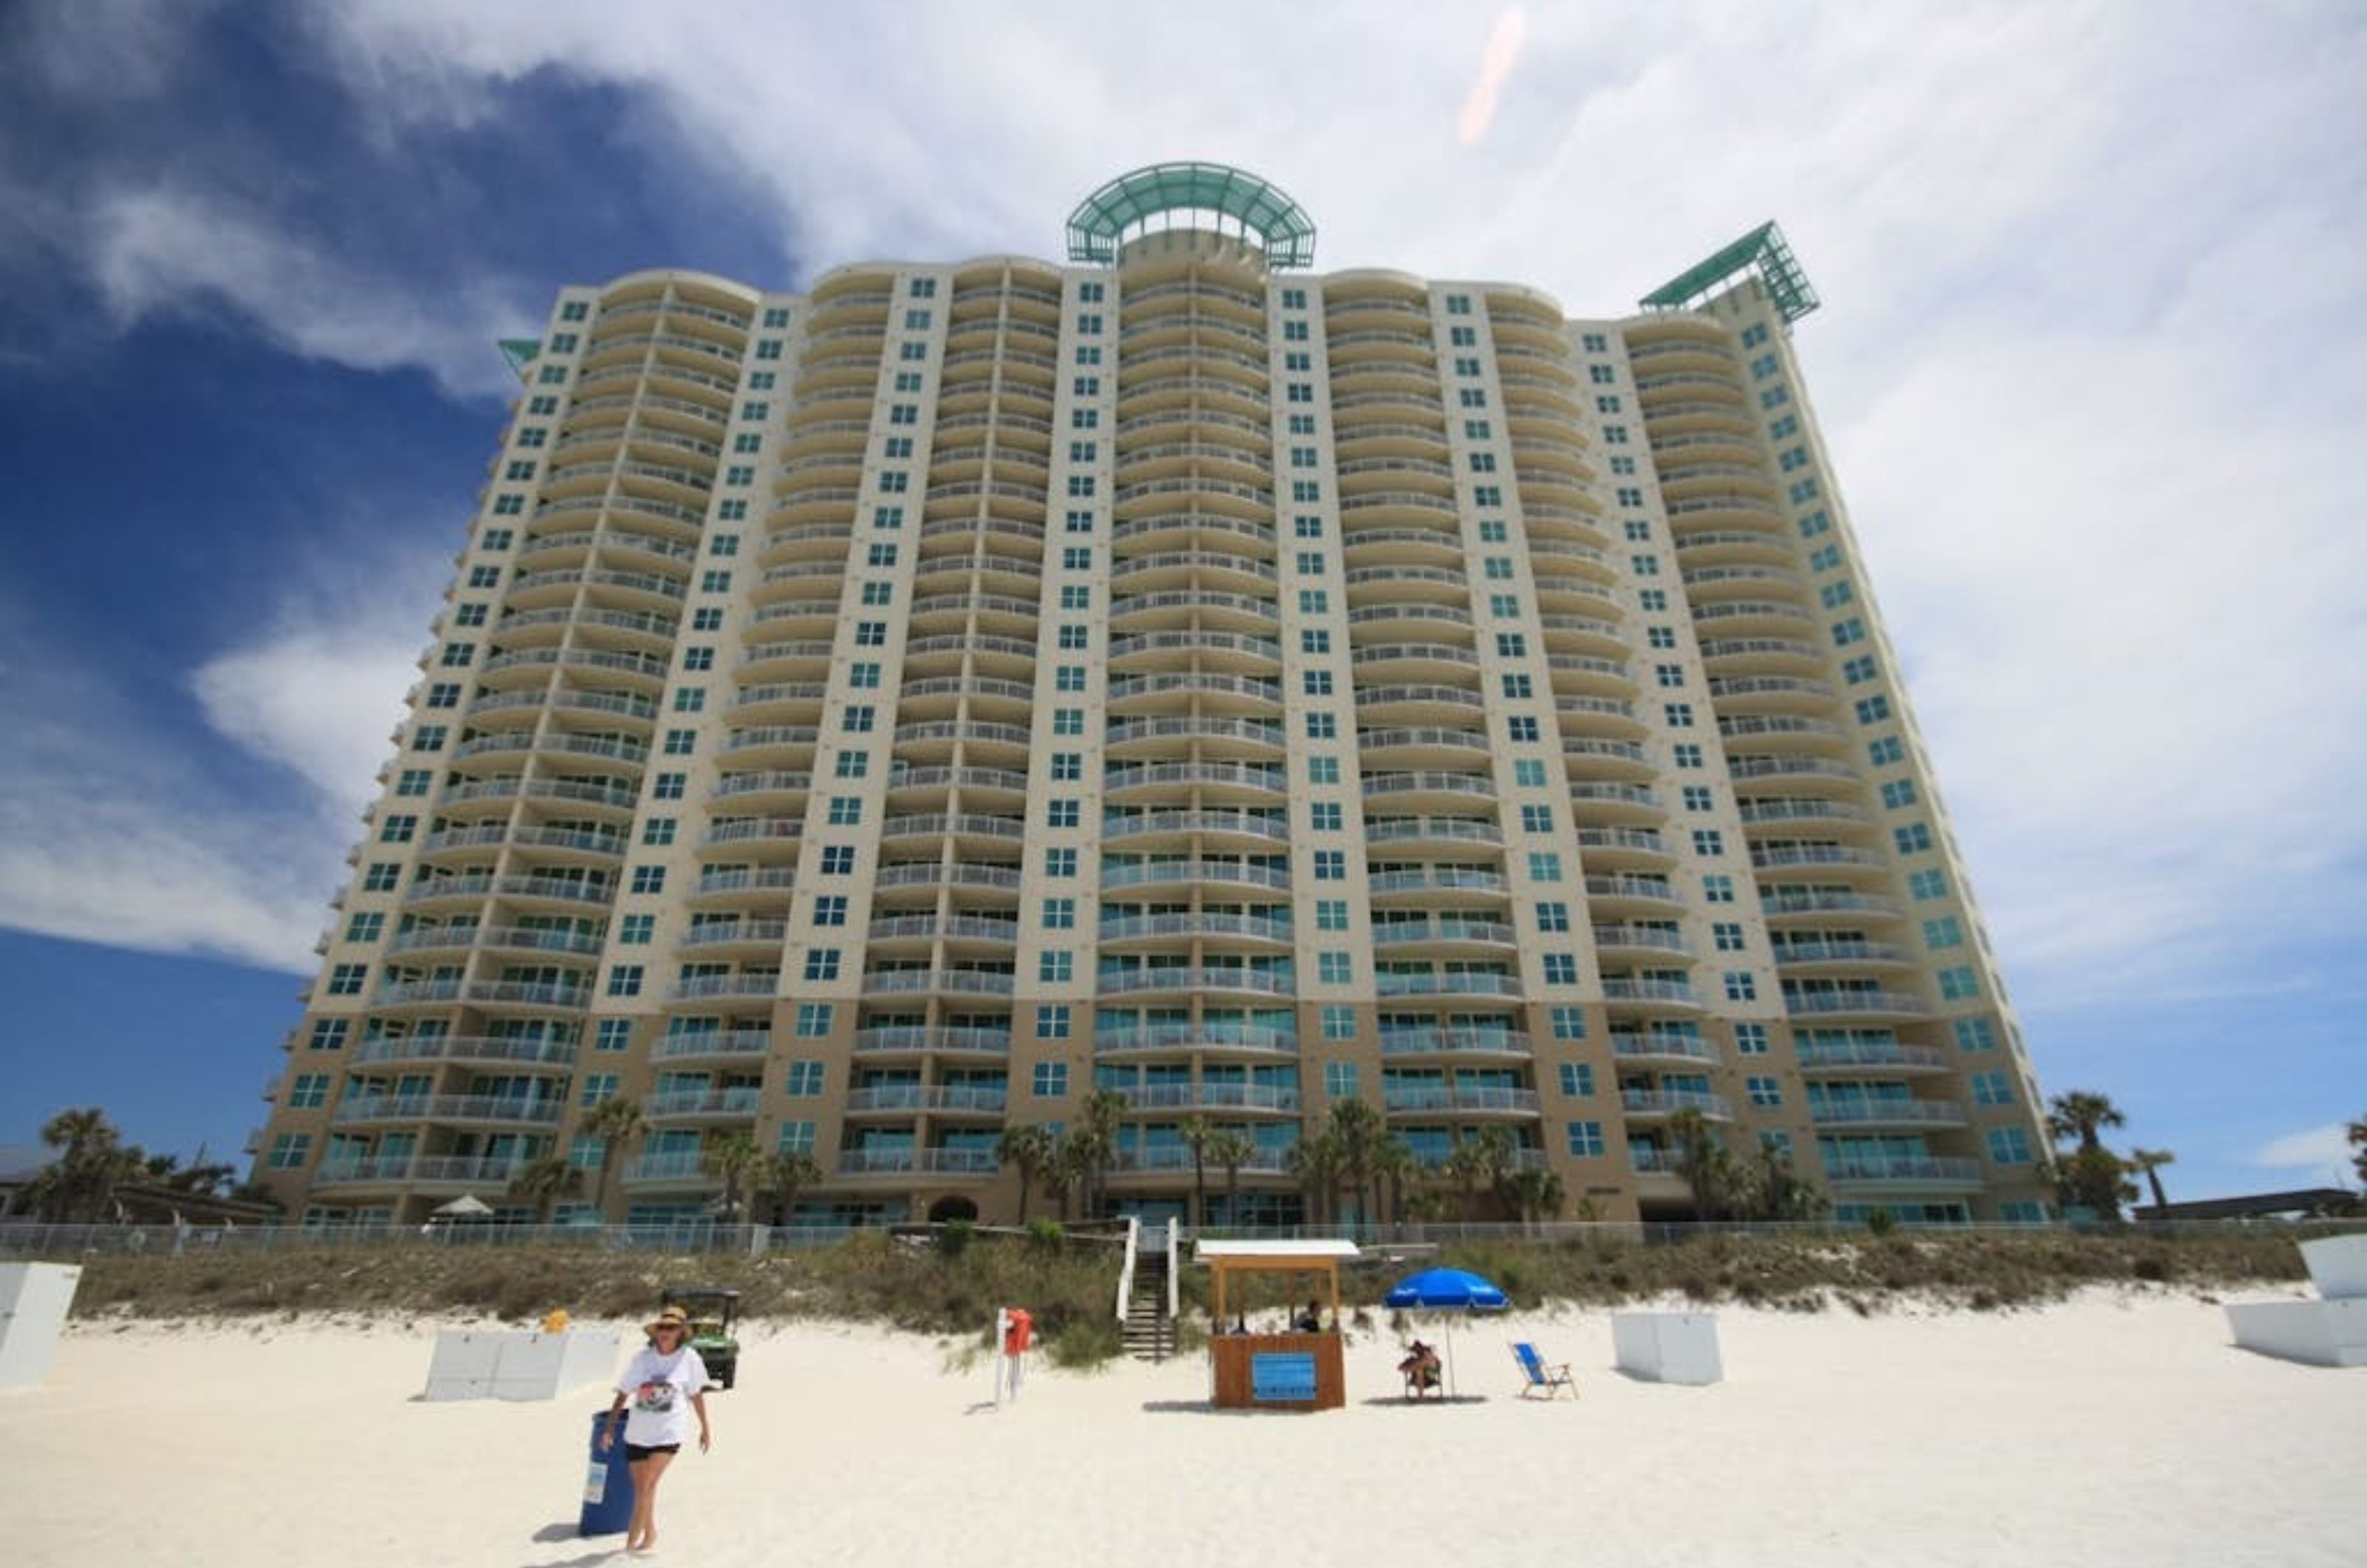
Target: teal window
[(1992, 1088), (1751, 1040), (1050, 1080), (1924, 884), (1340, 1023), (636, 931), (625, 980), (1943, 932), (1959, 984), (1339, 1081), (1974, 1034), (814, 1020), (2009, 1146), (803, 1080), (797, 1138), (1585, 1139), (1578, 1079), (1568, 1021), (612, 1034)]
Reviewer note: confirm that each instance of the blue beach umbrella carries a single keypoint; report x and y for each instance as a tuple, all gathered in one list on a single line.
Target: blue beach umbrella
[(1446, 1290)]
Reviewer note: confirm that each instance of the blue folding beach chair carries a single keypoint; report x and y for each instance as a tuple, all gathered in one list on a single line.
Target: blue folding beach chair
[(1540, 1379)]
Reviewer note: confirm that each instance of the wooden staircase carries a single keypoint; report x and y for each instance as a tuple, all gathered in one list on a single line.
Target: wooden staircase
[(1149, 1333)]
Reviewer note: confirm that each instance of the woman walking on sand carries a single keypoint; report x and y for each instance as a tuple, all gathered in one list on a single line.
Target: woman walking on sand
[(657, 1383)]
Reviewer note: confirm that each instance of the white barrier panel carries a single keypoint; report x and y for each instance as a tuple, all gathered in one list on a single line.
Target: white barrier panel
[(2323, 1333), (481, 1364), (1667, 1347), (2338, 1265), (34, 1300)]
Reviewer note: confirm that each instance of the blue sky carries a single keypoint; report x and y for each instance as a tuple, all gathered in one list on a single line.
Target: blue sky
[(2096, 315)]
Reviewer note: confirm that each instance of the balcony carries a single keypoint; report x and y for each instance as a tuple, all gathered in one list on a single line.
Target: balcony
[(1507, 1043), (1658, 1103), (1184, 978), (1903, 1172), (702, 1104), (1886, 1111)]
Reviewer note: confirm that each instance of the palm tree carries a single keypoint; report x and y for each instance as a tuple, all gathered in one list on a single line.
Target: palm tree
[(2146, 1162), (92, 1161), (1229, 1150), (731, 1157), (1197, 1134), (1029, 1150), (542, 1181), (615, 1122), (1537, 1194), (1071, 1164), (1097, 1131), (1315, 1160), (781, 1176), (1708, 1169), (2081, 1114), (1359, 1130), (1394, 1169)]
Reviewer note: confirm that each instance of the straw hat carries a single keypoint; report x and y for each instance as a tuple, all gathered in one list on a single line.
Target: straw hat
[(672, 1317)]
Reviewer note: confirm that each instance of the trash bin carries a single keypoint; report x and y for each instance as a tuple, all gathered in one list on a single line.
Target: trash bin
[(607, 1486)]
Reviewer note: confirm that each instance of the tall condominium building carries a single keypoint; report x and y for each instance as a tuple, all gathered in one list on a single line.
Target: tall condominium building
[(871, 723)]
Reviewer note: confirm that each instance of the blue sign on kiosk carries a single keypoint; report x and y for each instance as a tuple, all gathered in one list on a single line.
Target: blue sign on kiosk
[(1283, 1377)]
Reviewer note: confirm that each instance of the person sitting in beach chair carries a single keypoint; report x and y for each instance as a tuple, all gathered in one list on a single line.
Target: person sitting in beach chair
[(1540, 1379), (1420, 1369)]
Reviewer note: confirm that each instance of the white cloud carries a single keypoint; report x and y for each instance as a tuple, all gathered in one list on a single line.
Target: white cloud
[(166, 252), (2323, 1151), (112, 830), (1495, 64)]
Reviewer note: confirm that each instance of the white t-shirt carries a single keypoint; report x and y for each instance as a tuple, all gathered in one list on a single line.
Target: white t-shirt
[(657, 1389)]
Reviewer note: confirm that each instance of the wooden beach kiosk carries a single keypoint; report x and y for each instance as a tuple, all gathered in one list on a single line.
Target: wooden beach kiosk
[(1289, 1370)]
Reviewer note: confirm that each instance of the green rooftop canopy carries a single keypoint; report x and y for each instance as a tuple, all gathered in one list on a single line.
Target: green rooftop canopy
[(520, 352), (1762, 251), (1125, 208)]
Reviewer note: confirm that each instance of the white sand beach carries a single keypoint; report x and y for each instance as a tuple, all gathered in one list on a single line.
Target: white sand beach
[(2107, 1430)]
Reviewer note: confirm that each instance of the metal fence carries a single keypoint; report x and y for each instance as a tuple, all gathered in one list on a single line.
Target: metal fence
[(31, 1239)]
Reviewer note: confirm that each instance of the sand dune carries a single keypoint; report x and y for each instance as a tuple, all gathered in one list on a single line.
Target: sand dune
[(2107, 1430)]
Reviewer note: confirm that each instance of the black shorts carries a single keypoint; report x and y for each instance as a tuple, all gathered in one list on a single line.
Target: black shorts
[(641, 1451)]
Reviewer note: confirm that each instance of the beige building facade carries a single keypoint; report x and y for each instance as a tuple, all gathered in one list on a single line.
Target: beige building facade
[(868, 721)]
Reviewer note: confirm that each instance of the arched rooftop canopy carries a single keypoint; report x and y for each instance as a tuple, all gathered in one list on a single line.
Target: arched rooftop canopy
[(1125, 208), (1762, 251)]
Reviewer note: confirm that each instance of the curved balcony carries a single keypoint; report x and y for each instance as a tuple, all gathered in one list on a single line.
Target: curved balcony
[(1653, 1103), (1673, 996), (774, 743), (1649, 940), (1443, 936), (1217, 783), (936, 1099), (702, 1105), (1214, 927), (1733, 656), (1882, 1112), (1415, 748), (1904, 1174), (1892, 1058), (1194, 980), (1459, 1045), (1215, 737), (1426, 837), (914, 1040), (1168, 1039), (1647, 1048), (1775, 733), (1207, 691), (732, 939), (955, 931), (1477, 1100), (1836, 860), (1857, 1005), (1425, 790), (1472, 984), (1436, 886), (1210, 828), (1210, 650), (1188, 873), (920, 881), (466, 1050), (451, 1110), (722, 1047), (937, 982), (1787, 904), (768, 790)]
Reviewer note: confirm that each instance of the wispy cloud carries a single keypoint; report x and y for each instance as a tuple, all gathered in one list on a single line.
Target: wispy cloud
[(168, 251), (114, 829), (1495, 67), (2323, 1151)]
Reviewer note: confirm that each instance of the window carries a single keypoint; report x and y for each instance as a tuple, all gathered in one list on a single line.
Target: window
[(397, 829), (1668, 675), (1052, 1022), (1974, 1034), (1330, 865), (1056, 966), (1708, 842), (1697, 797), (328, 1034), (1726, 935), (670, 787), (649, 879), (1059, 914), (1739, 986), (1322, 770), (1528, 772), (1898, 792), (1074, 640), (1764, 1091), (1536, 819), (1050, 1080), (1922, 884), (1562, 969), (382, 876), (1315, 639), (830, 910), (1751, 1039), (707, 618), (1568, 1021), (1334, 969), (1577, 1080), (1686, 754), (1331, 914), (1520, 729), (288, 1150), (2009, 1146), (1544, 865), (1063, 814), (821, 963), (1553, 915), (1992, 1088), (308, 1092), (1874, 709), (1585, 1139), (804, 1079), (658, 831), (1679, 715), (625, 980), (1340, 1077), (415, 780), (1850, 631), (1913, 840), (1324, 817), (838, 860), (1885, 752), (1959, 984), (845, 810), (1857, 671), (1068, 721), (1518, 686), (1059, 863), (1716, 889), (689, 699), (345, 979)]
